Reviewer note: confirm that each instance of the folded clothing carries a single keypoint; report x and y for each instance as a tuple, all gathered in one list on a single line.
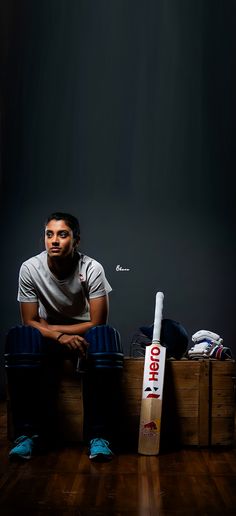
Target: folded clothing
[(208, 344), (207, 335)]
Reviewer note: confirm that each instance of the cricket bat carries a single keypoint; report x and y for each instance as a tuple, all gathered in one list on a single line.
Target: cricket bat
[(153, 381)]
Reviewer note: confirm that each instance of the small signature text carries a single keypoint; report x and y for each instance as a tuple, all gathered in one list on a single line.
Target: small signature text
[(119, 268)]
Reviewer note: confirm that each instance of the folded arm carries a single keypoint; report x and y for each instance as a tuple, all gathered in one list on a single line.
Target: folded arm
[(98, 315), (72, 332)]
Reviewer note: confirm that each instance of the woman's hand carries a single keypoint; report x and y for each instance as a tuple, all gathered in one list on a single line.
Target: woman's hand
[(74, 342)]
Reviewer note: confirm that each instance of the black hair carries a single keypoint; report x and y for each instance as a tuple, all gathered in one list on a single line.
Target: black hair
[(70, 220)]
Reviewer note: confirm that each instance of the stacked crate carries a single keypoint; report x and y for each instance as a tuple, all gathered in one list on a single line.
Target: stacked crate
[(198, 403)]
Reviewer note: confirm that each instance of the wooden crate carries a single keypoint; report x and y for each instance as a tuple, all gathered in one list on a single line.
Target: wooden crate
[(198, 406), (182, 416)]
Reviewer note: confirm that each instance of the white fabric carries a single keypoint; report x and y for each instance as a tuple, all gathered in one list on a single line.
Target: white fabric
[(205, 350), (200, 350), (201, 335), (62, 301)]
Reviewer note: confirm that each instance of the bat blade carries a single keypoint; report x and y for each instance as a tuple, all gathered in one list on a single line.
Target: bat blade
[(152, 391)]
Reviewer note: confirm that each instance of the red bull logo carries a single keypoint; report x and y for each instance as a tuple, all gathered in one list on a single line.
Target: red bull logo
[(151, 426)]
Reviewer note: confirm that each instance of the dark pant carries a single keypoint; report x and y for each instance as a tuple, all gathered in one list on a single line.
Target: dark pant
[(102, 404), (34, 367)]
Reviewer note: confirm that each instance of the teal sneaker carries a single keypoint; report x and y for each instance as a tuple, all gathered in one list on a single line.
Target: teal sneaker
[(99, 450), (24, 447)]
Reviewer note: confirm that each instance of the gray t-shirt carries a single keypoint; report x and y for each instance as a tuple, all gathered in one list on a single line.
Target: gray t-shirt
[(62, 301)]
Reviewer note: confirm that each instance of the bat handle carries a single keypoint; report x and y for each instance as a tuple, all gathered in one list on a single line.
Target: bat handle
[(158, 317)]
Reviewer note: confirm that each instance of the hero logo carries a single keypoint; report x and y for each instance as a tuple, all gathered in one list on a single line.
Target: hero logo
[(153, 373)]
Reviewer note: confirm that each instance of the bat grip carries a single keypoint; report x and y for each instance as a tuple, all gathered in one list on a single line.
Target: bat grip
[(158, 317)]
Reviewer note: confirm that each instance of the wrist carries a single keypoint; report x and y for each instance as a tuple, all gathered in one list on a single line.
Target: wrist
[(59, 336)]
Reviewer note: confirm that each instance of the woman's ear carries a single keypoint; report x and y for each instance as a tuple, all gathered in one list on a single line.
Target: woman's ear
[(76, 242)]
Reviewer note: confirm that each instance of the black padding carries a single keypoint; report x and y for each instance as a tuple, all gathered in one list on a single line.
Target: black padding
[(24, 347), (106, 360), (105, 350)]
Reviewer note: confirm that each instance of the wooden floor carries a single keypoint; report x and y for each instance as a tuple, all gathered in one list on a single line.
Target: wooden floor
[(185, 482)]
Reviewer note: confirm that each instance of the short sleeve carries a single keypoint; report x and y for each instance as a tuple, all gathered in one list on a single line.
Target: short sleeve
[(26, 289), (97, 283)]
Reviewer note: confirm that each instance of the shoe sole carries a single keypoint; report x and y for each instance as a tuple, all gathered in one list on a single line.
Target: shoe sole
[(17, 457), (100, 457)]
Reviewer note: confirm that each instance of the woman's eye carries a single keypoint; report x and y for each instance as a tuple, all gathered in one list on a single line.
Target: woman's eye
[(64, 234), (48, 234)]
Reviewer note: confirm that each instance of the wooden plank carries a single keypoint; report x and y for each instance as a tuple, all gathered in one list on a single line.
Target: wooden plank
[(223, 373), (222, 403), (188, 431), (181, 403), (203, 421), (222, 410), (222, 431), (185, 374)]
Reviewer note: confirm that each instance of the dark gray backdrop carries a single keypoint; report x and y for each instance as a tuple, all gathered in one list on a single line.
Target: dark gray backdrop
[(123, 113)]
